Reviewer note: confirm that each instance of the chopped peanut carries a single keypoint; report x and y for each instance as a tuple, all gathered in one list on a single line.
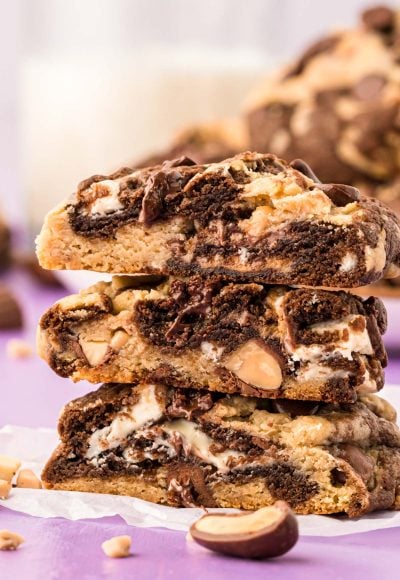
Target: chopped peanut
[(10, 540), (26, 478), (117, 547), (5, 488), (8, 467), (17, 348)]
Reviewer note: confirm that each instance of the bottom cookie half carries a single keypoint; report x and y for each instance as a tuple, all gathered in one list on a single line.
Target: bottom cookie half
[(191, 448)]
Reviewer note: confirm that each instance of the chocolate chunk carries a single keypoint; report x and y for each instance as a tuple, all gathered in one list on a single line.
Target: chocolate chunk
[(153, 201), (339, 194), (380, 18), (359, 460), (187, 485), (338, 478), (188, 404), (197, 309), (376, 340), (5, 246), (295, 408), (369, 87), (374, 306), (185, 318), (182, 161), (305, 169), (10, 310)]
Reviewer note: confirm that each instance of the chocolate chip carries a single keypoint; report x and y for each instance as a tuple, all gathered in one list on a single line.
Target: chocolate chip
[(380, 19), (186, 318), (359, 461), (374, 306), (187, 485), (182, 161), (295, 408), (376, 340), (369, 87), (339, 194), (158, 185), (153, 201), (188, 404), (305, 169), (5, 246), (338, 477)]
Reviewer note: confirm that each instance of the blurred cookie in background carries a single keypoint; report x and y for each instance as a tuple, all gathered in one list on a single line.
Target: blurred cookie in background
[(204, 143), (389, 193), (28, 262), (11, 315), (338, 108), (5, 244)]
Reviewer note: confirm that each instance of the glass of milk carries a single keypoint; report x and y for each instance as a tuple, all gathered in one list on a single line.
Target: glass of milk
[(103, 85)]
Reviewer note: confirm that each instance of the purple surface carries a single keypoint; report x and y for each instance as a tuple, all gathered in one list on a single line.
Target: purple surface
[(56, 549), (32, 395)]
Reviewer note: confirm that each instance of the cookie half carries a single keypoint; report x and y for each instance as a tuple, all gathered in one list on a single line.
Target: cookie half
[(252, 339), (184, 448), (250, 218)]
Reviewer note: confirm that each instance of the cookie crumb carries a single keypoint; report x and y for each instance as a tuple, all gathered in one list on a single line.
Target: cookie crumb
[(117, 547), (17, 348), (5, 488), (10, 540), (8, 467)]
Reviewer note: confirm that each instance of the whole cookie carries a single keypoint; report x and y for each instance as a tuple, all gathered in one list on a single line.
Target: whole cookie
[(337, 106)]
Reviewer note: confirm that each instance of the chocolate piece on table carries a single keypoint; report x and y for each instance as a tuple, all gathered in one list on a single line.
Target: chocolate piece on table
[(266, 533), (232, 452), (249, 218), (5, 244), (10, 310), (257, 340)]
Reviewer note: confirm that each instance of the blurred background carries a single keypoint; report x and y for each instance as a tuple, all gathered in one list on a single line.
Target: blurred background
[(88, 86)]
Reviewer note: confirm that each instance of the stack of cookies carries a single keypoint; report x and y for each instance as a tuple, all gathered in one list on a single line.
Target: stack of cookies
[(236, 369)]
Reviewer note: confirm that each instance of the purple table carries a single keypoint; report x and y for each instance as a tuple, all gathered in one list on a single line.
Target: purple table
[(32, 395)]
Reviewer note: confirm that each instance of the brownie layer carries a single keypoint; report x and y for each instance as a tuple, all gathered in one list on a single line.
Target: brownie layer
[(250, 218), (187, 448), (252, 339)]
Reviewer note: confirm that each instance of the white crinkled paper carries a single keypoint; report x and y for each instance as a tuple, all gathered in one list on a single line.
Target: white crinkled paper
[(34, 446)]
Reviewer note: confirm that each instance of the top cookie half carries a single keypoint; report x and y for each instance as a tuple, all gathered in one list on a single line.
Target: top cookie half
[(253, 217)]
